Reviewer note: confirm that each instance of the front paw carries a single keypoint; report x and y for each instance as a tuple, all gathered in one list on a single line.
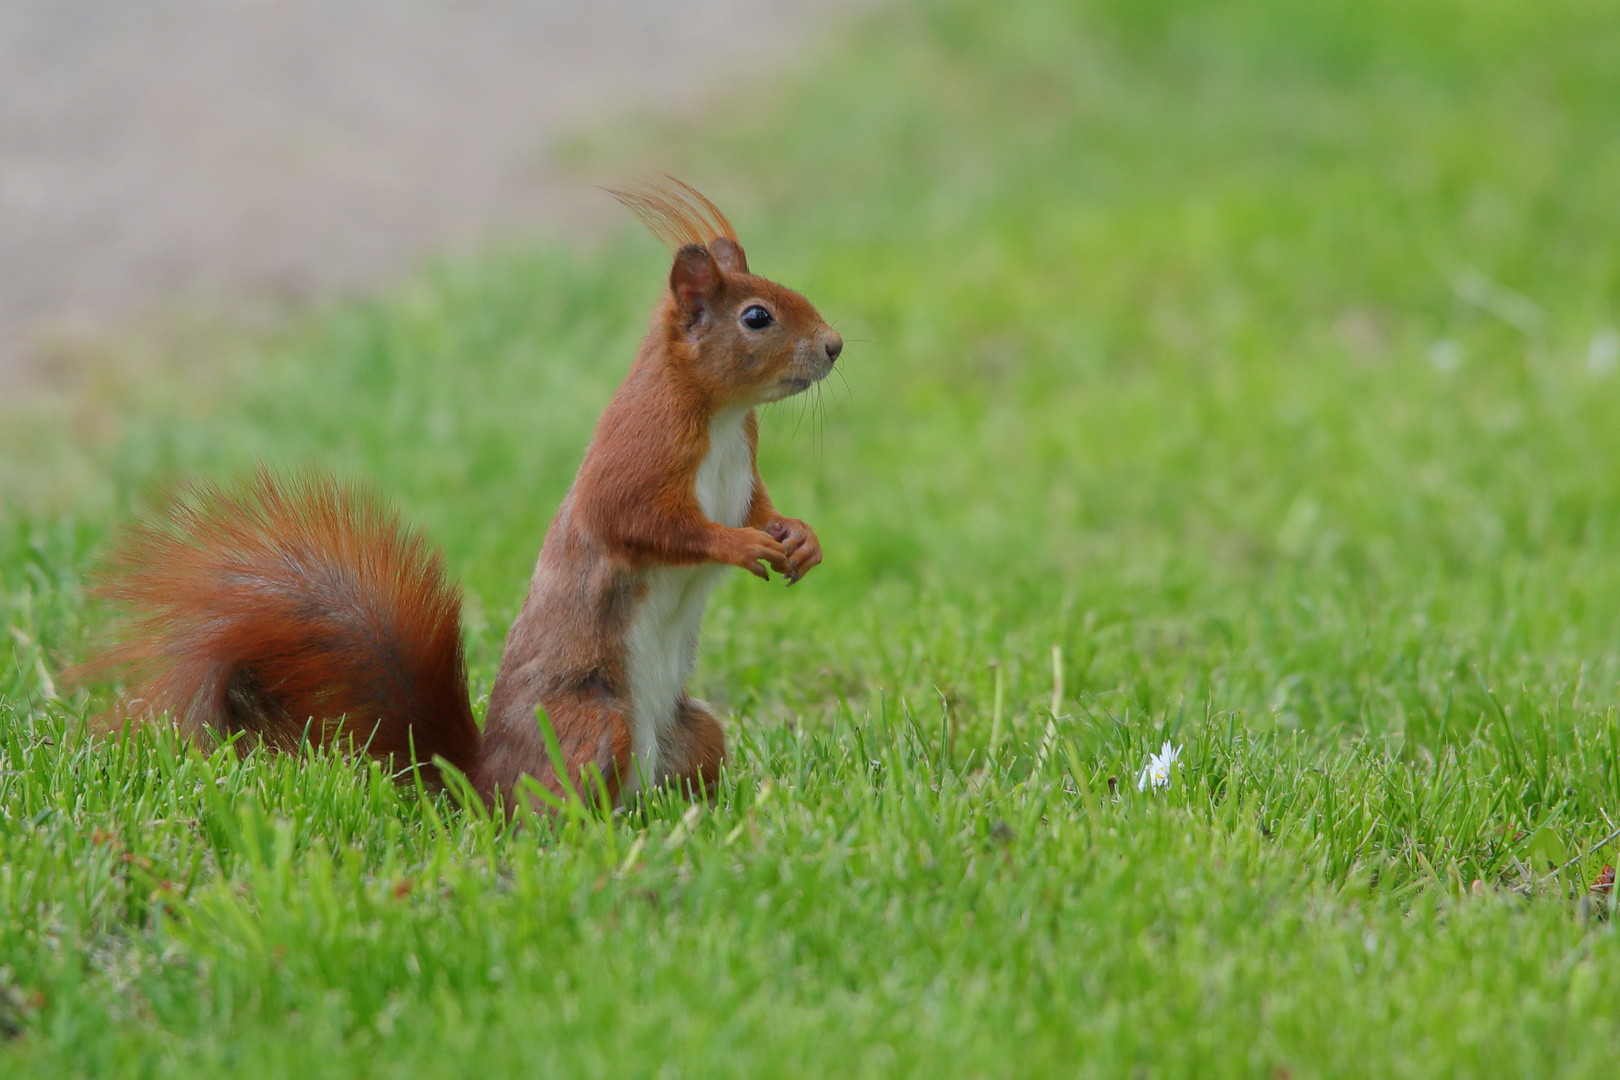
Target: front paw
[(754, 550), (799, 545)]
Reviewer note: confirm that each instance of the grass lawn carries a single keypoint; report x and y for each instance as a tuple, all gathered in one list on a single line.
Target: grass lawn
[(1241, 374)]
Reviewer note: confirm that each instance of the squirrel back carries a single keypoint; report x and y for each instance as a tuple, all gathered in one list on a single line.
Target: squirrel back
[(286, 608)]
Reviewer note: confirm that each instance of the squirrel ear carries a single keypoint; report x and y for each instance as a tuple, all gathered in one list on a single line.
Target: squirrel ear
[(694, 278), (729, 254)]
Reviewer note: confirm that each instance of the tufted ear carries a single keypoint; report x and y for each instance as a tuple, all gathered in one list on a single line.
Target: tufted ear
[(729, 254), (694, 279)]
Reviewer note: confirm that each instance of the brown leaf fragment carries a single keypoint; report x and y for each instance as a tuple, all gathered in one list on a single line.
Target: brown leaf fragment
[(1603, 885)]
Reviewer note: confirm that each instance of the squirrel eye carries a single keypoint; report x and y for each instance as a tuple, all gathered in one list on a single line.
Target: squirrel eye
[(756, 317)]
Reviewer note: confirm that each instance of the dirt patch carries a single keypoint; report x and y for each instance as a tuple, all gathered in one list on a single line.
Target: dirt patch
[(221, 153)]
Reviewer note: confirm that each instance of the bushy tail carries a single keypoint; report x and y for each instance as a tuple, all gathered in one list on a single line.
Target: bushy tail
[(291, 605)]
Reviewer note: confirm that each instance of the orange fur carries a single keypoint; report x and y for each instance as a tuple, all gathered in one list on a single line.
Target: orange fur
[(289, 604), (259, 610)]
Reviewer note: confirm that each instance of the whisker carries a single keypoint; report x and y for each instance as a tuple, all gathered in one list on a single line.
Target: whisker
[(775, 434), (821, 405), (847, 391), (816, 420), (799, 420)]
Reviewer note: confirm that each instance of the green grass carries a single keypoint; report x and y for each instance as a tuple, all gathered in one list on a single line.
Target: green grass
[(1258, 356)]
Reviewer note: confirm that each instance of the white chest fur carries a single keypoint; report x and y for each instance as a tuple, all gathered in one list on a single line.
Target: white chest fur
[(725, 480), (663, 638)]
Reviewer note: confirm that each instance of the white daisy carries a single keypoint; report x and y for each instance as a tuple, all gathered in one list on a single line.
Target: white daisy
[(1157, 769)]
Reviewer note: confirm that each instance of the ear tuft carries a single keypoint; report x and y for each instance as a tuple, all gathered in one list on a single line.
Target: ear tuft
[(693, 278), (676, 213)]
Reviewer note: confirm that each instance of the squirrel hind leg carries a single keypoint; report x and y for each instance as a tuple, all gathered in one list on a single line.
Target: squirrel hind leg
[(696, 749), (593, 733)]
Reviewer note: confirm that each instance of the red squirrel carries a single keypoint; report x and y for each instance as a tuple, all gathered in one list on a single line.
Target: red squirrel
[(301, 605)]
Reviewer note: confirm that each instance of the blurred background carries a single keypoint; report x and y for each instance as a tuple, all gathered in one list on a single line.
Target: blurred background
[(238, 155), (1262, 356), (1243, 374)]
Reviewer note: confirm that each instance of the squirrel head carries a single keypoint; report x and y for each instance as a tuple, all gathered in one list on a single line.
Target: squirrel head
[(743, 339)]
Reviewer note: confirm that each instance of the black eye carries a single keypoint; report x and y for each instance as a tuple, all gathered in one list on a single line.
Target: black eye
[(756, 318)]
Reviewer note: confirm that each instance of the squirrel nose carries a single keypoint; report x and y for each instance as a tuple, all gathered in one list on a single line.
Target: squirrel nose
[(834, 347)]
